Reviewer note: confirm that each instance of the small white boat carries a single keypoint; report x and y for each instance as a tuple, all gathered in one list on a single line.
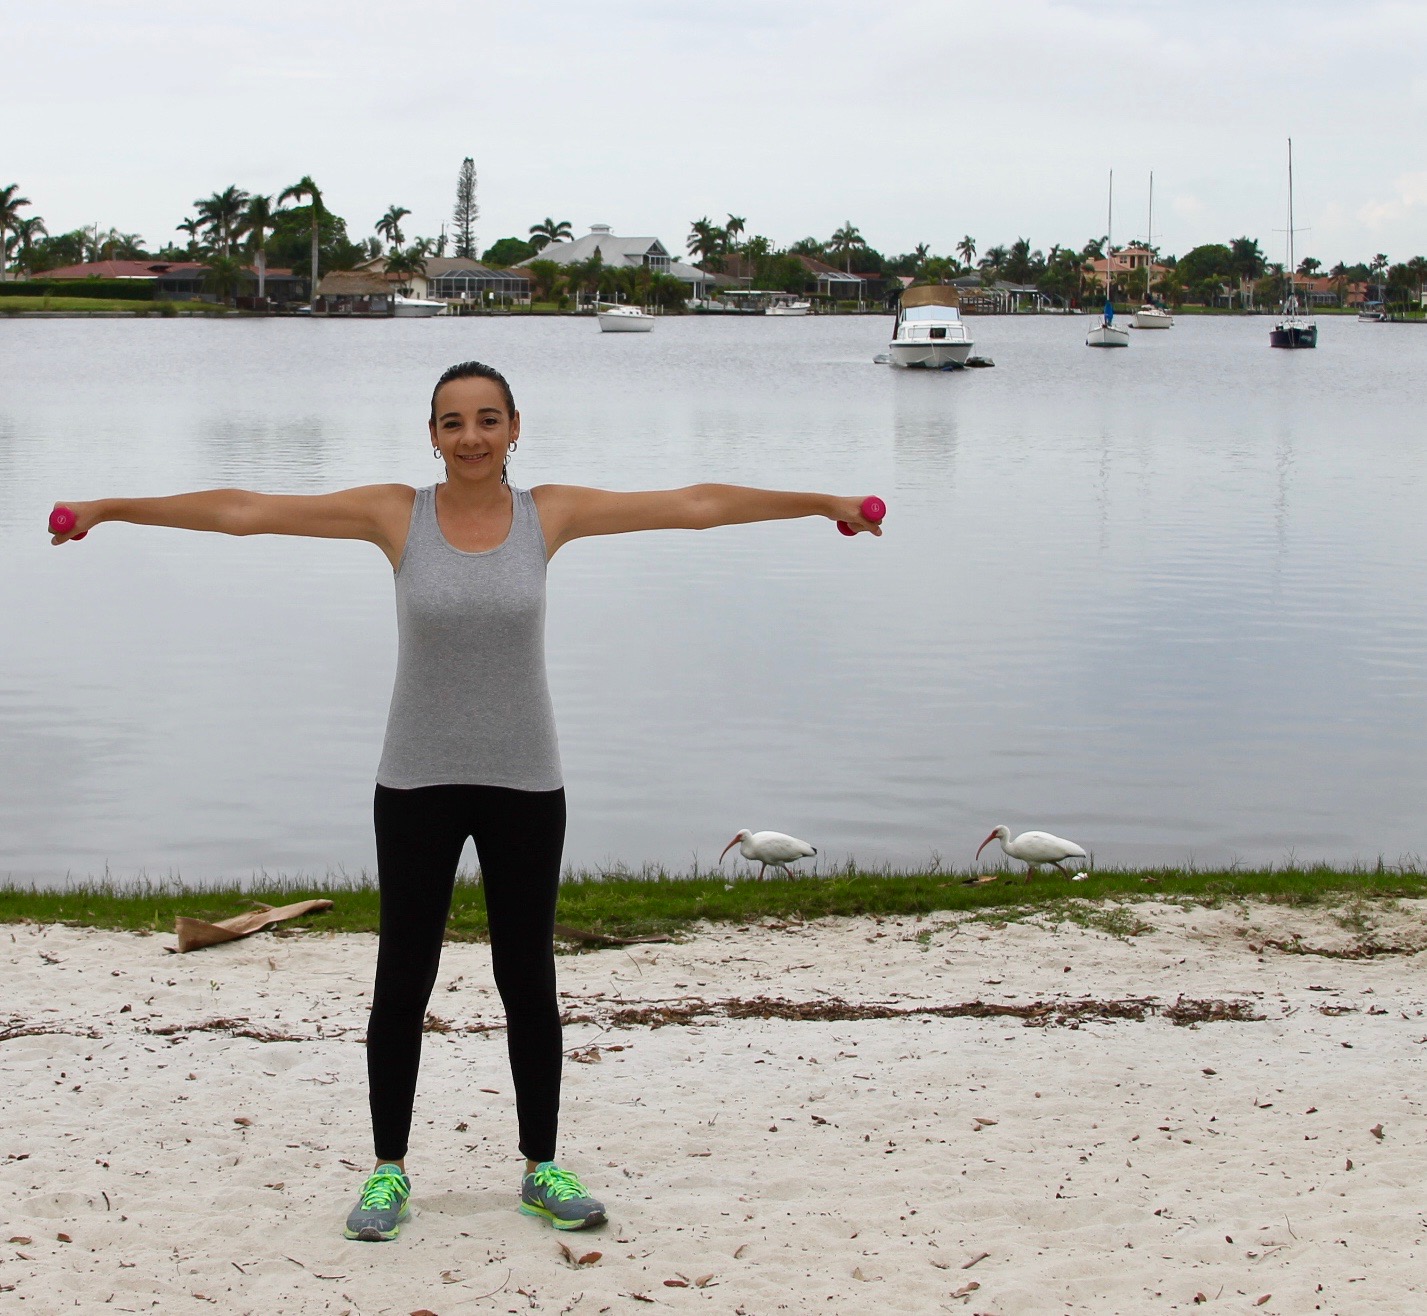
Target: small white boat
[(788, 306), (418, 306), (930, 332), (1150, 316), (624, 320), (1107, 333), (1372, 315)]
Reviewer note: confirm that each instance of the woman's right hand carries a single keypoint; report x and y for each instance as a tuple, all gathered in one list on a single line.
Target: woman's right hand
[(86, 517)]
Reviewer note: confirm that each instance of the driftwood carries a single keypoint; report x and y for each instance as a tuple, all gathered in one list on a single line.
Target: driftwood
[(195, 934), (602, 938)]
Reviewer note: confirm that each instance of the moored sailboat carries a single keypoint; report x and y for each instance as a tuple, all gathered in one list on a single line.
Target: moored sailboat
[(1107, 333), (1150, 316), (1292, 329)]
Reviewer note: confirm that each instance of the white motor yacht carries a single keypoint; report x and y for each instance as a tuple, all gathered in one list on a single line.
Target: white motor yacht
[(418, 306), (788, 306), (624, 320), (930, 331), (1150, 316)]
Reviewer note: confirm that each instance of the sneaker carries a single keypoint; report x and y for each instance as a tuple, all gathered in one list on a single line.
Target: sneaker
[(383, 1206), (556, 1195)]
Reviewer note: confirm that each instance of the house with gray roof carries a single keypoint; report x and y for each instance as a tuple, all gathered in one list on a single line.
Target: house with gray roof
[(626, 253)]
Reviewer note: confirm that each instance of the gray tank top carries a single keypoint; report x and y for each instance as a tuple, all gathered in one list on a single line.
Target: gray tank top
[(471, 705)]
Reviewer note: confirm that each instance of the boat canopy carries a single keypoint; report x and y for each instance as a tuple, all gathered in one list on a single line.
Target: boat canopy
[(931, 294)]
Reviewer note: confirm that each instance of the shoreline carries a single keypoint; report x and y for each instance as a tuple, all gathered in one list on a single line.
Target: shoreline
[(857, 1113)]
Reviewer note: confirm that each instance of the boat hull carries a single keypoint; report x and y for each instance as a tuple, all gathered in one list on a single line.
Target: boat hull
[(1293, 335), (1153, 319), (417, 309), (625, 324), (1107, 335), (929, 353), (798, 308)]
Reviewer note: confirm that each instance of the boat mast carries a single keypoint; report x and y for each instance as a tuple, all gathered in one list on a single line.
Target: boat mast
[(1109, 243), (1292, 304), (1149, 239)]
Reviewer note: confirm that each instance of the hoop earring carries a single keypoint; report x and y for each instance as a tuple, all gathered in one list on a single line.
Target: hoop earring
[(436, 452)]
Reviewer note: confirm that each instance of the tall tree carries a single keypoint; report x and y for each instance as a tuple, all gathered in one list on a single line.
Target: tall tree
[(966, 249), (845, 241), (10, 203), (548, 231), (193, 226), (305, 187), (734, 228), (221, 214), (706, 240), (389, 225), (27, 231), (1246, 264), (467, 211), (257, 220)]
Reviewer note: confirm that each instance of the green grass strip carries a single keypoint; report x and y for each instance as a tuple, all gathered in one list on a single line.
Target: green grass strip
[(658, 903)]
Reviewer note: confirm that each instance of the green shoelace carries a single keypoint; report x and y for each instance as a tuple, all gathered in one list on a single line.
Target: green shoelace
[(382, 1190), (560, 1183)]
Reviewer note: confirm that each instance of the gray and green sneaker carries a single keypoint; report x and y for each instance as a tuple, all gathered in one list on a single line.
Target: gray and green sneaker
[(556, 1195), (377, 1216)]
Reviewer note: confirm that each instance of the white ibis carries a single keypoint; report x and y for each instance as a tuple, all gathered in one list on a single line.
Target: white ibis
[(769, 848), (1033, 848)]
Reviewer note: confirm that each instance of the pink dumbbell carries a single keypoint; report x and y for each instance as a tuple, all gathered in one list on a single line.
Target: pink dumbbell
[(62, 522), (873, 509)]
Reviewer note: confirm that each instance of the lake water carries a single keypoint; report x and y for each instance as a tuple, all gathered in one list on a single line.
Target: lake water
[(1165, 601)]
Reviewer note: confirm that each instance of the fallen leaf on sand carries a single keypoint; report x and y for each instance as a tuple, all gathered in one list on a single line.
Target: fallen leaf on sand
[(242, 1119), (1260, 1301), (739, 1250), (966, 1289), (1376, 1131), (941, 1265), (64, 1238), (980, 1256), (423, 1311), (857, 1274), (450, 1277), (1198, 1298), (703, 1281), (1349, 1165), (21, 1239), (982, 1122), (676, 1283), (641, 1297), (590, 1258)]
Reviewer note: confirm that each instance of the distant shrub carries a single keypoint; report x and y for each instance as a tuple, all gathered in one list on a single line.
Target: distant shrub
[(126, 290)]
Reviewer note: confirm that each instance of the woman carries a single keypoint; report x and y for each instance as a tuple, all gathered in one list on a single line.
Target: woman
[(470, 747)]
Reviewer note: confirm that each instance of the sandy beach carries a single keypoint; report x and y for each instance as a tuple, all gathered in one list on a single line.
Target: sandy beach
[(846, 1116)]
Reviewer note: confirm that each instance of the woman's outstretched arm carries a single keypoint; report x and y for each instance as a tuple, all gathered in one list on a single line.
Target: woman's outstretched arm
[(569, 511), (378, 513)]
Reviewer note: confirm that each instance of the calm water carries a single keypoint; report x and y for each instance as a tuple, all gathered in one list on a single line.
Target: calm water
[(1166, 601)]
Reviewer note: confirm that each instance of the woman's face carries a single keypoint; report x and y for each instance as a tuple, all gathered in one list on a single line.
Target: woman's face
[(473, 430)]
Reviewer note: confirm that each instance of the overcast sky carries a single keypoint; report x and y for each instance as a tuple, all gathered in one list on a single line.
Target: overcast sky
[(918, 120)]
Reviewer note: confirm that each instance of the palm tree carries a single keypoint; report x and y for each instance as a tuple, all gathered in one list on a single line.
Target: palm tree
[(389, 225), (544, 277), (920, 253), (305, 187), (845, 241), (26, 231), (192, 227), (10, 204), (1246, 262), (225, 275), (408, 263), (548, 231), (222, 214), (256, 221), (966, 249), (734, 227), (706, 240)]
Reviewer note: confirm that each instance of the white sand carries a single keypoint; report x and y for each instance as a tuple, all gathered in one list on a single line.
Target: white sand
[(805, 1166)]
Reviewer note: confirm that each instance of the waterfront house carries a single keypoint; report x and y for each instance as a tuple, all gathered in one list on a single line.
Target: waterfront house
[(625, 253), (1127, 267), (460, 280), (354, 292), (181, 280)]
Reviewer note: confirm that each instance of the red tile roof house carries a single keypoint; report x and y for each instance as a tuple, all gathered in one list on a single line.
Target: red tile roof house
[(180, 280)]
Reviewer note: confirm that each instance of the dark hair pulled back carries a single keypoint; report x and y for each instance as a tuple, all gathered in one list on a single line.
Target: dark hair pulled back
[(474, 370)]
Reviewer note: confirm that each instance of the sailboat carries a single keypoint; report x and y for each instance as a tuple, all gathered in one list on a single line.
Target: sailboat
[(1292, 330), (1107, 333), (1150, 316)]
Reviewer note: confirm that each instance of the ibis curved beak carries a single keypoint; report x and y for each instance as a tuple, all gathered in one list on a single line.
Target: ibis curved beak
[(727, 848), (983, 845)]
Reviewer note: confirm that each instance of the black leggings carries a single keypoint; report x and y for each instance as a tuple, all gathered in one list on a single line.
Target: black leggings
[(519, 838)]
